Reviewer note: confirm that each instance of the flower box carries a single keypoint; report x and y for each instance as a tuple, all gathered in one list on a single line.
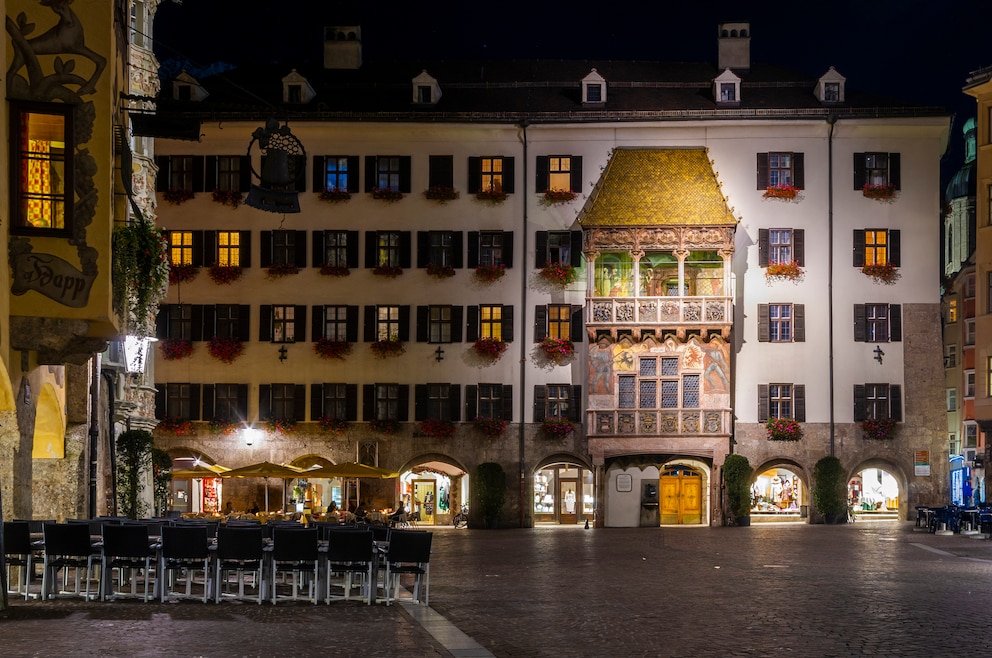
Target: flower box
[(228, 198), (386, 195), (334, 270), (441, 193), (440, 271), (490, 349), (784, 272), (281, 425), (223, 275), (174, 349), (492, 197), (783, 429), (881, 429), (886, 273), (490, 273), (177, 197), (225, 349), (386, 348), (490, 426), (557, 350), (388, 271), (177, 426), (437, 429), (559, 274), (787, 192), (556, 428), (333, 425), (389, 427), (326, 348), (225, 426), (335, 195), (554, 197), (280, 270), (182, 273), (882, 191)]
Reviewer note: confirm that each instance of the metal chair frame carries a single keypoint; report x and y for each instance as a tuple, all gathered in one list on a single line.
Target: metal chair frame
[(295, 551), (409, 552)]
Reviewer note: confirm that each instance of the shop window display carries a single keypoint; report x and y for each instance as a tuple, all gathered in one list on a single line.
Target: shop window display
[(777, 491)]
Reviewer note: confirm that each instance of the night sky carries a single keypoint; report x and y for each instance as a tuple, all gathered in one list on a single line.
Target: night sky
[(913, 50)]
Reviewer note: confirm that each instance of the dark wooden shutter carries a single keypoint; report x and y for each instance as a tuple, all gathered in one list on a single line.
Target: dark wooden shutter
[(859, 403), (300, 324), (471, 401), (798, 171), (457, 260), (454, 402), (371, 173), (859, 248), (300, 249), (508, 324), (423, 248), (371, 249), (576, 330), (441, 171), (763, 247), (762, 403), (860, 328), (244, 322), (198, 174), (895, 247), (196, 313), (210, 173), (351, 402), (404, 323), (316, 401), (353, 175), (799, 246), (208, 394), (860, 171), (895, 175), (264, 401), (351, 249), (508, 249), (473, 249), (508, 175), (209, 320), (194, 402), (316, 323), (405, 174), (472, 323), (403, 402), (265, 322), (540, 402), (420, 402), (895, 322), (895, 402), (319, 171), (507, 411), (423, 323), (575, 174), (799, 323), (542, 178), (370, 324), (799, 402), (575, 243), (406, 245), (575, 408), (300, 402), (351, 324), (160, 401), (244, 250), (163, 162), (319, 252), (764, 324), (474, 175), (244, 173), (266, 244), (541, 249), (368, 402), (208, 249), (540, 323), (162, 322), (457, 317), (762, 168)]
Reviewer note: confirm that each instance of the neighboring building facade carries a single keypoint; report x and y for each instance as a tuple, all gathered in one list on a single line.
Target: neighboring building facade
[(700, 250)]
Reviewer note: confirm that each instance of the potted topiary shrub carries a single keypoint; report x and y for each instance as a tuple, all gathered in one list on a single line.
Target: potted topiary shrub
[(490, 482), (830, 490), (737, 480)]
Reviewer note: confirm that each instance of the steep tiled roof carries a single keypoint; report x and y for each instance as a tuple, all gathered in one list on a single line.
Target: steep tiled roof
[(657, 187)]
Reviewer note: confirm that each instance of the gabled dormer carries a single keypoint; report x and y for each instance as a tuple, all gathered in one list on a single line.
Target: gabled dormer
[(296, 89), (830, 87), (593, 89), (186, 88), (426, 90), (727, 88)]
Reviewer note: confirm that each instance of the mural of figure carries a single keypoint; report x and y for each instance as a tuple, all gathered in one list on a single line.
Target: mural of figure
[(601, 370), (716, 368)]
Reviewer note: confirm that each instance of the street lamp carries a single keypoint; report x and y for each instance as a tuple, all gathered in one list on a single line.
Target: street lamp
[(251, 435)]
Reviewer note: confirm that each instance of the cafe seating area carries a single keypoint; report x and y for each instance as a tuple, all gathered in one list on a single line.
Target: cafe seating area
[(974, 522), (216, 559)]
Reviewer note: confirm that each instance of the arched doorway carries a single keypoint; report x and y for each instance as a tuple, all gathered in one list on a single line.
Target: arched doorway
[(873, 494), (779, 493), (198, 492), (563, 494), (432, 489), (681, 495)]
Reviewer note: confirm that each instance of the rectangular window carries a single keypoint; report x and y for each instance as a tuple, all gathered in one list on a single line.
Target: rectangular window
[(877, 401), (439, 324), (876, 247), (780, 401), (969, 331), (423, 93), (388, 173), (728, 92), (491, 321), (690, 391), (969, 383), (283, 247), (283, 403), (831, 92), (969, 286), (560, 321), (627, 395), (181, 173), (226, 405), (559, 247), (952, 309), (283, 324), (336, 173), (558, 401), (952, 399), (780, 246), (181, 247), (779, 169), (179, 401), (387, 401), (780, 323), (559, 173), (442, 252), (387, 323), (492, 175), (951, 357), (335, 398), (294, 94), (336, 248), (388, 248), (228, 320), (877, 168), (336, 323), (491, 247), (970, 435), (229, 248), (877, 323), (181, 321), (594, 93), (439, 401), (491, 401), (41, 156), (953, 444), (229, 173)]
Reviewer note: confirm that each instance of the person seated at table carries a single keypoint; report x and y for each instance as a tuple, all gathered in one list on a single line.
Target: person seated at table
[(228, 508), (332, 511), (399, 516), (360, 513), (254, 508)]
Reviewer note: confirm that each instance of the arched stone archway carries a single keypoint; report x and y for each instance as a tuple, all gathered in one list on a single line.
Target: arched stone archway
[(564, 490), (874, 499), (780, 491), (49, 426), (433, 487)]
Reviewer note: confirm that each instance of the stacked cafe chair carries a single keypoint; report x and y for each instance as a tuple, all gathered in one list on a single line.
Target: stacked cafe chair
[(68, 548)]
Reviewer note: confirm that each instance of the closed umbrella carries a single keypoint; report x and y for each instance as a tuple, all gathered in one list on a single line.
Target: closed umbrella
[(264, 470)]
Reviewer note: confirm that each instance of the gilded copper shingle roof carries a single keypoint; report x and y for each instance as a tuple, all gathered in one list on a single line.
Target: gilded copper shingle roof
[(657, 187)]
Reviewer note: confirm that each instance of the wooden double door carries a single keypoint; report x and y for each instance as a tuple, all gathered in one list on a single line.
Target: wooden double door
[(681, 490)]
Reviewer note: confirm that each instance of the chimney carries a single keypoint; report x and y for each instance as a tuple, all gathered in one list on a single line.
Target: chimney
[(343, 47), (734, 46)]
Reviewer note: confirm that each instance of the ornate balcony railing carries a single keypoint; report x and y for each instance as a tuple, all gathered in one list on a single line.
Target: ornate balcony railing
[(659, 422), (660, 310)]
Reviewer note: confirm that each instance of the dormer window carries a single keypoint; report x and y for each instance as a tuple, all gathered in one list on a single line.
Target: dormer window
[(593, 89), (426, 90), (727, 88), (296, 90), (186, 88), (830, 87)]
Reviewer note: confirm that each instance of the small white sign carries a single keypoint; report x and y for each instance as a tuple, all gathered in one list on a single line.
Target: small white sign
[(625, 482)]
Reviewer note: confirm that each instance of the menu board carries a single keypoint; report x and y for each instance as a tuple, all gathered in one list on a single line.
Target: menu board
[(210, 494)]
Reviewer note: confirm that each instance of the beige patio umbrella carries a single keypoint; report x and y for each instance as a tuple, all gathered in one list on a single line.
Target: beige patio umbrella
[(265, 470), (198, 471), (351, 470)]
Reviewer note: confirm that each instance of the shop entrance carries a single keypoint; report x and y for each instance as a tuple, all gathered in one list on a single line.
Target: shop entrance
[(873, 494), (424, 501), (778, 494), (681, 490), (563, 494)]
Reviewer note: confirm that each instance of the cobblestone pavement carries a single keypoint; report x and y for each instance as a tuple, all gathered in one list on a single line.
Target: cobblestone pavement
[(873, 588)]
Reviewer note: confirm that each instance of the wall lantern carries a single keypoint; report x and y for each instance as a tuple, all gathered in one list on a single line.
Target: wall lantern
[(136, 353), (283, 165), (251, 436)]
